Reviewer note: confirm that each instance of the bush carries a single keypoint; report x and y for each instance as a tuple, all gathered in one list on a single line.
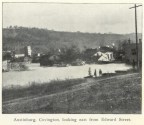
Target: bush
[(23, 67)]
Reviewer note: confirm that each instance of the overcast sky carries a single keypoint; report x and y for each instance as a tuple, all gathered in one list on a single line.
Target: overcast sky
[(96, 18)]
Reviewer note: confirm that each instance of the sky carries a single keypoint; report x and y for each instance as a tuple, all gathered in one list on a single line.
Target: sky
[(92, 18)]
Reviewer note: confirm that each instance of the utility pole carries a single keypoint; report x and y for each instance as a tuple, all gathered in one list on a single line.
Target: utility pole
[(135, 7)]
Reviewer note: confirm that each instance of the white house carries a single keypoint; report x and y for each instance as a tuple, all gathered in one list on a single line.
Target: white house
[(105, 57), (19, 55), (28, 51), (110, 56)]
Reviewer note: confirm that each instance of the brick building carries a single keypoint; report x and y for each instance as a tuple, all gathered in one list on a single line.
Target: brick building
[(130, 52)]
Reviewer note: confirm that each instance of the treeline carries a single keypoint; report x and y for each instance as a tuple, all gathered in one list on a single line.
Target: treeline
[(43, 40)]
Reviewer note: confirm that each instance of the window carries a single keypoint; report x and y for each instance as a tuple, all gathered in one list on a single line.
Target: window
[(133, 51)]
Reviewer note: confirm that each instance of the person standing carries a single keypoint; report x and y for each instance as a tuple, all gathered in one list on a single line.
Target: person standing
[(89, 72), (100, 72), (95, 73)]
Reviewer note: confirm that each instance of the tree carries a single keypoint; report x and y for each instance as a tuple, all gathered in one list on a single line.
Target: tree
[(70, 54)]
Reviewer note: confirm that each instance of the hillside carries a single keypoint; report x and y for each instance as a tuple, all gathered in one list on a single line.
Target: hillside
[(42, 40)]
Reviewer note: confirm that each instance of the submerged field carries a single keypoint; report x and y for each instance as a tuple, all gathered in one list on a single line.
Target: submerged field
[(46, 74), (112, 95)]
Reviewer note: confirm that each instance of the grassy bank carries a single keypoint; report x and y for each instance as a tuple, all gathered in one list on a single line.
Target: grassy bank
[(114, 95), (38, 89)]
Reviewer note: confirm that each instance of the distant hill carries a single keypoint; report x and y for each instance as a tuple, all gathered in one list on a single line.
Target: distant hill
[(42, 40)]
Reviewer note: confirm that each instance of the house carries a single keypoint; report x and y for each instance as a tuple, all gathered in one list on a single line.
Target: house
[(110, 56), (28, 51), (131, 53), (5, 65), (36, 58), (7, 55), (105, 49), (19, 53), (106, 57), (103, 58), (38, 54), (119, 56), (49, 60)]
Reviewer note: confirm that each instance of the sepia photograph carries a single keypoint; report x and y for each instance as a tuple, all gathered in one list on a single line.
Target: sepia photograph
[(71, 58)]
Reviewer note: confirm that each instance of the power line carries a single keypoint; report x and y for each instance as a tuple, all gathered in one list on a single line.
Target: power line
[(135, 6)]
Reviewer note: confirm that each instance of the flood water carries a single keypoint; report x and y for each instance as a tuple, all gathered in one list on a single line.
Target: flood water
[(46, 74)]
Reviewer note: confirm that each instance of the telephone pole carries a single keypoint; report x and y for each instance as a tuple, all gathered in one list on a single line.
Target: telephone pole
[(137, 59)]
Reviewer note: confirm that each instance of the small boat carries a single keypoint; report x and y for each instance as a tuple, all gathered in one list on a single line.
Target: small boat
[(88, 76)]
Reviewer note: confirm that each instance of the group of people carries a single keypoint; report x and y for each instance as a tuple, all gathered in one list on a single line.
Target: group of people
[(95, 72)]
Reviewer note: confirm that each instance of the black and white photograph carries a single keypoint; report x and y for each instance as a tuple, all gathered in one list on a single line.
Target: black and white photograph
[(71, 58)]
